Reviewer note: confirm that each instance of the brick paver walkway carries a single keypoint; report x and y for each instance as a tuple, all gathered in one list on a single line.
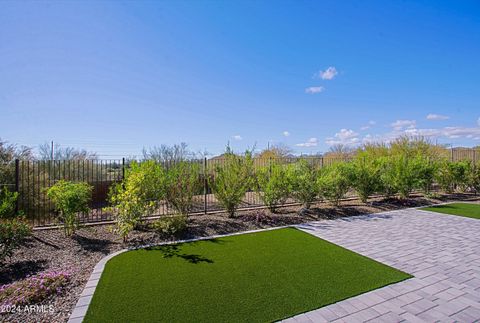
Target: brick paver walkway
[(441, 251)]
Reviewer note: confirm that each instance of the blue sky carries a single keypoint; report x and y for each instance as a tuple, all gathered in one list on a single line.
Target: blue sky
[(114, 77)]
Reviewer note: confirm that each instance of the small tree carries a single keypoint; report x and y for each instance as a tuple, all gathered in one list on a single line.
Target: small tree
[(13, 227), (232, 180), (365, 172), (137, 195), (334, 182), (273, 185), (70, 199), (303, 179), (182, 183)]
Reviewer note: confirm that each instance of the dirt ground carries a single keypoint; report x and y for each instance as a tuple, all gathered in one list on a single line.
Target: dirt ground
[(49, 249)]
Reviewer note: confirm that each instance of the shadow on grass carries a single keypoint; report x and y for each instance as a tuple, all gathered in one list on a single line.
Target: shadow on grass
[(175, 251)]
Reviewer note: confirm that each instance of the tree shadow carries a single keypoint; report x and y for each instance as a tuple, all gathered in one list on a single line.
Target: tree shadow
[(20, 270), (174, 251), (93, 245)]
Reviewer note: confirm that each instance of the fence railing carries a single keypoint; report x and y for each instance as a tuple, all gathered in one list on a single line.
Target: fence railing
[(31, 179)]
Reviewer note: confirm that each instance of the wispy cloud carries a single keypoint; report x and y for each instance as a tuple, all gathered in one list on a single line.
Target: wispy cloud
[(402, 124), (312, 142), (314, 89), (368, 126), (328, 74), (345, 137), (433, 116), (478, 121), (237, 137), (286, 134), (408, 128)]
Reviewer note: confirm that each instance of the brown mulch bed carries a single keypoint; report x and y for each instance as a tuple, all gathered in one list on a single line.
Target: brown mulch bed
[(49, 249)]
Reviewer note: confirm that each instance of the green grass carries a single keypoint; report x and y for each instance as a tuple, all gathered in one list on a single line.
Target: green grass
[(256, 277), (463, 209)]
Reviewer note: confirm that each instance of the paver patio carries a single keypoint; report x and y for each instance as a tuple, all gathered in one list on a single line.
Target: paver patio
[(441, 251)]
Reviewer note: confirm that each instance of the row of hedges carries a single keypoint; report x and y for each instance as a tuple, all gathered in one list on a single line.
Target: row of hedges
[(148, 183), (389, 171)]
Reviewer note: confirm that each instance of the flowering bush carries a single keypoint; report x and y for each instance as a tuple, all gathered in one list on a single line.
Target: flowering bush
[(34, 289)]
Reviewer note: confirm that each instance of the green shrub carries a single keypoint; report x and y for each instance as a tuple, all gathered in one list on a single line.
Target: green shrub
[(70, 199), (7, 203), (13, 227), (273, 185), (426, 170), (403, 174), (365, 174), (475, 178), (171, 226), (137, 195), (334, 182), (232, 180), (453, 175), (303, 180), (387, 177), (182, 183)]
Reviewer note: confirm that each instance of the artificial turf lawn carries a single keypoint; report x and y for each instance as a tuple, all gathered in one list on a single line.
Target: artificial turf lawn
[(463, 209), (256, 277)]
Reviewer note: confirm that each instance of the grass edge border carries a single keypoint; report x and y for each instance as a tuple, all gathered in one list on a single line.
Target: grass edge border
[(80, 310)]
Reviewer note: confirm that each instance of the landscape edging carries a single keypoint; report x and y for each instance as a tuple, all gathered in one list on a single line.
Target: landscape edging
[(81, 307)]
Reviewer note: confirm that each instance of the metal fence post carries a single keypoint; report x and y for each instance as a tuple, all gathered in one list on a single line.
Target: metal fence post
[(205, 186), (123, 168), (17, 180)]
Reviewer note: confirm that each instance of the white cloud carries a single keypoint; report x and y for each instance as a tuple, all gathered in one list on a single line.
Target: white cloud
[(478, 122), (432, 133), (328, 74), (368, 126), (314, 89), (237, 137), (433, 116), (286, 133), (344, 137), (402, 124), (312, 142)]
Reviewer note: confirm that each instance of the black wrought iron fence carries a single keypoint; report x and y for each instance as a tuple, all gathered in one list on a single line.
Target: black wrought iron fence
[(31, 179)]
